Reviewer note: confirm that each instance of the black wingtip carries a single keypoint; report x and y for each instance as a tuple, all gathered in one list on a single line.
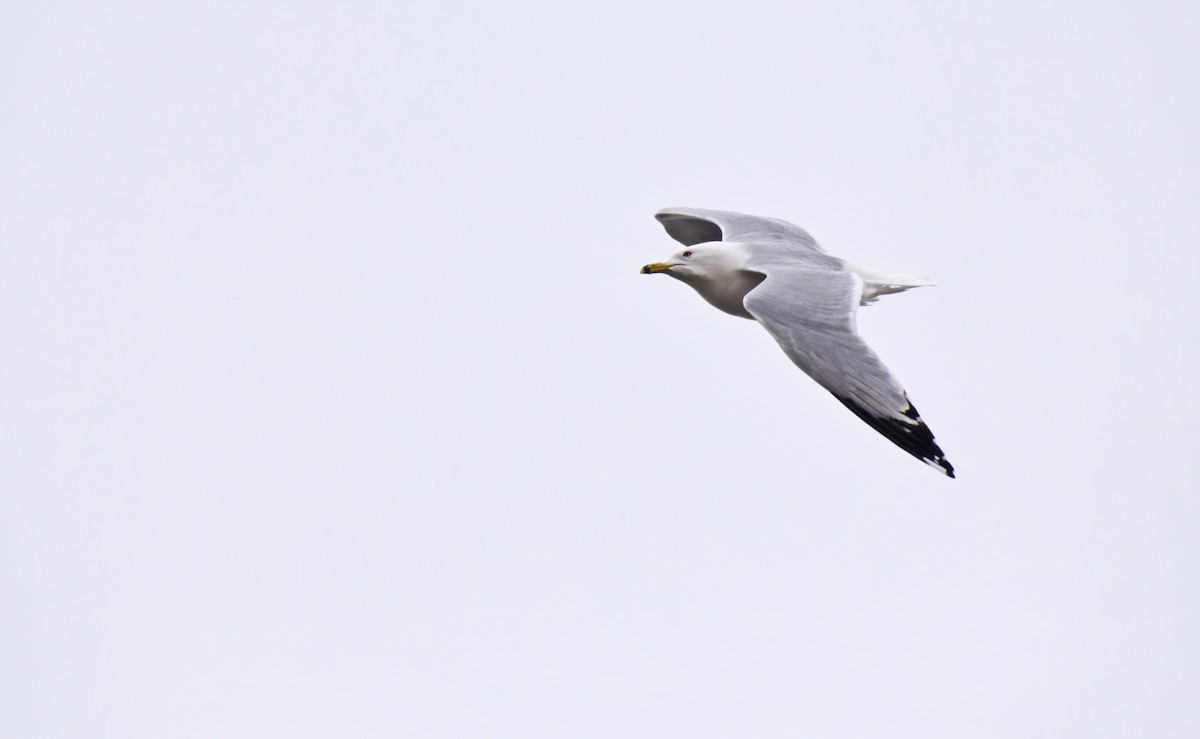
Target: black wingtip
[(914, 438)]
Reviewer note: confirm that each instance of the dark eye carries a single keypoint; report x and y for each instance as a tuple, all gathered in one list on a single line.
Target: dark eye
[(687, 254)]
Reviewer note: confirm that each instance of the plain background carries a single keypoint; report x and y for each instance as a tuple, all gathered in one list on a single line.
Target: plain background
[(332, 403)]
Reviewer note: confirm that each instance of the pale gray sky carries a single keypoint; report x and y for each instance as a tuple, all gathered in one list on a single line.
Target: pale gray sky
[(333, 404)]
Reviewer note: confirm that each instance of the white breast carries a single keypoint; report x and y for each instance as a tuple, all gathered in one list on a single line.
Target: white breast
[(727, 292)]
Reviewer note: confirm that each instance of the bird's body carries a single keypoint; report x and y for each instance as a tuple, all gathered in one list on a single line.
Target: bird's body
[(773, 272)]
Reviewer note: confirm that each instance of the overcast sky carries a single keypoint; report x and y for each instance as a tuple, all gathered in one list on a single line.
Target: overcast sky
[(332, 403)]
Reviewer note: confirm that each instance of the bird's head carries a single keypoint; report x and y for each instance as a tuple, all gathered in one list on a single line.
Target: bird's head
[(698, 262)]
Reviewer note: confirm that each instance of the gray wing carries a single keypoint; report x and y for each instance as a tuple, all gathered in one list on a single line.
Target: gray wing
[(811, 313), (691, 226)]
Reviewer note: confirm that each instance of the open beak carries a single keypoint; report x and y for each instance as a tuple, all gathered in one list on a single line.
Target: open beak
[(650, 269)]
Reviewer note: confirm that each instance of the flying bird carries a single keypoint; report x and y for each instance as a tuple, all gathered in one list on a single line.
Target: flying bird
[(773, 272)]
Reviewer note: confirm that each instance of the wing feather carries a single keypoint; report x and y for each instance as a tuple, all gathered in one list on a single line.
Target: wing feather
[(691, 226), (811, 313)]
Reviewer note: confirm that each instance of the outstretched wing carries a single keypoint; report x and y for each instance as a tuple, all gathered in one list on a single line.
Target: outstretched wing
[(691, 226), (811, 313)]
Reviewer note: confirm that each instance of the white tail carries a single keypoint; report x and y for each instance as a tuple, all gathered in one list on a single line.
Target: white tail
[(876, 284)]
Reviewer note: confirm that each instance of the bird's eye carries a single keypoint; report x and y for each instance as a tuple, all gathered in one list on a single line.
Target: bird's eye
[(687, 254)]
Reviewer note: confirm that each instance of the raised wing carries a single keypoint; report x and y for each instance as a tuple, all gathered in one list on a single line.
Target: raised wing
[(691, 226), (811, 313)]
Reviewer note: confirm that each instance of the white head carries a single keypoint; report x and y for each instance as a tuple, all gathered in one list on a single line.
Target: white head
[(715, 269), (712, 260)]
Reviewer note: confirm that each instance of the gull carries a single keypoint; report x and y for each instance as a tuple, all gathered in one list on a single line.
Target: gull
[(773, 272)]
